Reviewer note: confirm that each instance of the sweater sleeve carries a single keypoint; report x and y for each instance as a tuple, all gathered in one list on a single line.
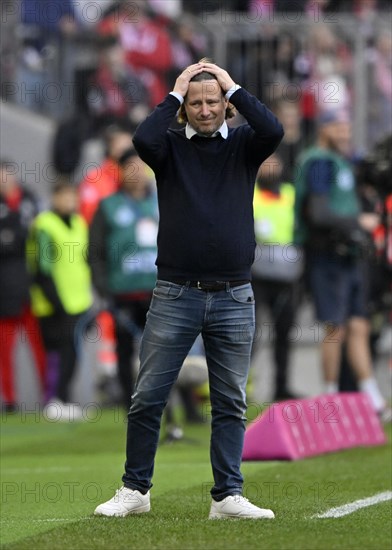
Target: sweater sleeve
[(97, 252), (150, 138), (318, 181), (321, 215), (43, 274), (267, 131)]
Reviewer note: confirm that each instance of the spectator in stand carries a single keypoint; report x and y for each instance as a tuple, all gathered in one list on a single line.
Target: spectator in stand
[(195, 7), (288, 112), (262, 9), (168, 10), (128, 222), (315, 9), (327, 63), (285, 51), (117, 94), (331, 66), (332, 228), (290, 6), (61, 291), (187, 44), (146, 44), (104, 180), (44, 25), (380, 88), (278, 265), (365, 12), (18, 207)]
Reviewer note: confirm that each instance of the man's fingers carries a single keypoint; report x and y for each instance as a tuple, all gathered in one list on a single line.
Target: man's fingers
[(211, 66), (193, 68), (215, 69), (183, 80)]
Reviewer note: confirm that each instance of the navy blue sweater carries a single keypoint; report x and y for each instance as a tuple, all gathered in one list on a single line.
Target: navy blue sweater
[(205, 190)]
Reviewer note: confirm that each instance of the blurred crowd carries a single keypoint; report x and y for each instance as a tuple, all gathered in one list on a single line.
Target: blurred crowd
[(113, 60), (110, 63)]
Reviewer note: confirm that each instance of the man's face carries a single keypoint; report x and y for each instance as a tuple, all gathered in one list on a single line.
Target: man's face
[(339, 135), (134, 177), (8, 181), (65, 201), (270, 172), (119, 144), (205, 106)]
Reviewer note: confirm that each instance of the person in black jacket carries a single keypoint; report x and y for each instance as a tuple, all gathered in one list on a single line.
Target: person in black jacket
[(18, 207), (205, 176)]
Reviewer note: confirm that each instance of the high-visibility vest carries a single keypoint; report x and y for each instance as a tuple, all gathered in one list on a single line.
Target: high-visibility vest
[(274, 215), (64, 258)]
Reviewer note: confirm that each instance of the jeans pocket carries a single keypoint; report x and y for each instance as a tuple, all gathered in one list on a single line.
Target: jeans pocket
[(243, 294), (167, 291)]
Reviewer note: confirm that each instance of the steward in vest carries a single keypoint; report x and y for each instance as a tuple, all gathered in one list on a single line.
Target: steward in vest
[(122, 254), (278, 264), (61, 293), (276, 256), (331, 227)]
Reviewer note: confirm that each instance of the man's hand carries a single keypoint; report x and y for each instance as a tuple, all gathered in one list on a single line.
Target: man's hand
[(224, 79), (182, 83), (369, 221)]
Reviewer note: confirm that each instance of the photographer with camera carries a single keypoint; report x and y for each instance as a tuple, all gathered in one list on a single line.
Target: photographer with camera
[(334, 233), (374, 177), (374, 172)]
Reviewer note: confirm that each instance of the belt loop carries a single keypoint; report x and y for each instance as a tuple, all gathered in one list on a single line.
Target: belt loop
[(227, 286), (187, 285)]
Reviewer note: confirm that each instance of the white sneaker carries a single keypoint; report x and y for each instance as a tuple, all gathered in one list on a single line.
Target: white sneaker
[(58, 411), (125, 501), (385, 415), (237, 506)]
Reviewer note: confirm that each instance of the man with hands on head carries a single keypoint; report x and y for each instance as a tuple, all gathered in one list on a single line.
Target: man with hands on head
[(205, 177)]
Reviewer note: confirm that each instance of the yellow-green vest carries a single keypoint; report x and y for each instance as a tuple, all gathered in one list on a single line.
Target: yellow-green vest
[(274, 215), (64, 259)]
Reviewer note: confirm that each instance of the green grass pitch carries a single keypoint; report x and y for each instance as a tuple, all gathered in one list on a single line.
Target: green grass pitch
[(53, 475)]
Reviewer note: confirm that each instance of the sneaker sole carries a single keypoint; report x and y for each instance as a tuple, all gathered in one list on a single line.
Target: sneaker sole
[(140, 510), (217, 515)]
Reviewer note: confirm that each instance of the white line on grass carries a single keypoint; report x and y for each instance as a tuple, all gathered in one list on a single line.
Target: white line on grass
[(351, 507), (61, 519), (36, 470), (45, 520)]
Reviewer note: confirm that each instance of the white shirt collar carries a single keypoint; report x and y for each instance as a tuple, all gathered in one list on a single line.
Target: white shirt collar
[(223, 131)]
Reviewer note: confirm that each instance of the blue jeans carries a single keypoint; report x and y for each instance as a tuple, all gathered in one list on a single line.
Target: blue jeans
[(177, 315)]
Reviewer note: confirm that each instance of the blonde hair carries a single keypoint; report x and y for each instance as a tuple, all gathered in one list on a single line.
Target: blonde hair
[(182, 117)]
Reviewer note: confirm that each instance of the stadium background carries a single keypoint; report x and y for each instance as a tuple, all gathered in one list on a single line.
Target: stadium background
[(269, 47)]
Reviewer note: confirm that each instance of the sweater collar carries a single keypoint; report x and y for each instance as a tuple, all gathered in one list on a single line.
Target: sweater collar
[(223, 131)]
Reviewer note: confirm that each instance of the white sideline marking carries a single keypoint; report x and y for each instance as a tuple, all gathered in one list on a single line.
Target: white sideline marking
[(61, 519), (36, 470), (45, 520), (351, 507)]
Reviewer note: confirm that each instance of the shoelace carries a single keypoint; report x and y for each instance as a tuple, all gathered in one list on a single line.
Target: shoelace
[(242, 499), (120, 490)]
